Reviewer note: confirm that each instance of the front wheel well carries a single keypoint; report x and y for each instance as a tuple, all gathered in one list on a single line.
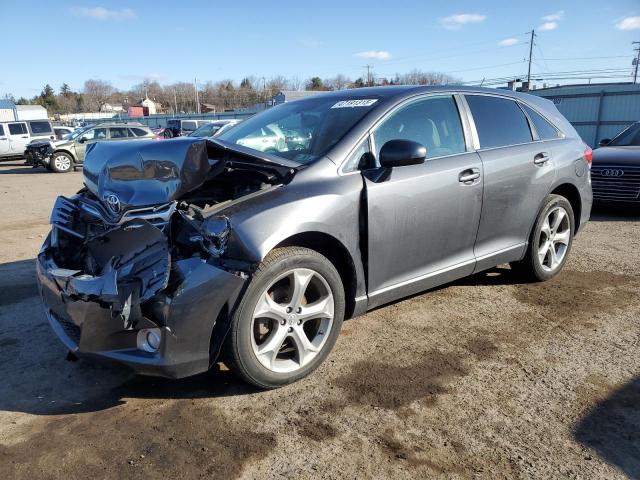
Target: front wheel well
[(337, 254), (571, 193)]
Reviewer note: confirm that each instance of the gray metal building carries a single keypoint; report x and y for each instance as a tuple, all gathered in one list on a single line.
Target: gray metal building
[(598, 110)]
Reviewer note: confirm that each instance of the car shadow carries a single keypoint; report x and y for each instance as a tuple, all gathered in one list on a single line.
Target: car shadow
[(21, 169), (612, 429), (36, 377), (615, 214)]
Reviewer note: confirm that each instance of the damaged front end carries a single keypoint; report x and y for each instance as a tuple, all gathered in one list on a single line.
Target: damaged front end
[(149, 286)]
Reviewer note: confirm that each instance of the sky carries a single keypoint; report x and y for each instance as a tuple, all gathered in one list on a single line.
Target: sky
[(125, 42)]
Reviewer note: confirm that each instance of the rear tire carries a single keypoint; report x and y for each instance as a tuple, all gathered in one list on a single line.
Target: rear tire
[(550, 241), (288, 319), (61, 162)]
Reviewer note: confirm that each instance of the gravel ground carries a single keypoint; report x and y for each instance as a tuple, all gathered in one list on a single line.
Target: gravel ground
[(483, 378)]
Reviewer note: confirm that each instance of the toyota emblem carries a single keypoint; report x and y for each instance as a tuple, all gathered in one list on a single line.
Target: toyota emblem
[(113, 203), (612, 172)]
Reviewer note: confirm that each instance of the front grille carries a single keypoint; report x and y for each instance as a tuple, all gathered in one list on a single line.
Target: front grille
[(616, 183)]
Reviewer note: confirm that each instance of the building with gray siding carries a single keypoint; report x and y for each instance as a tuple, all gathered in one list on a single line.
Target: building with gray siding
[(597, 111)]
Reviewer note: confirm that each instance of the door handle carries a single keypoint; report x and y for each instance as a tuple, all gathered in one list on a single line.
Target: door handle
[(469, 176), (24, 137), (541, 158)]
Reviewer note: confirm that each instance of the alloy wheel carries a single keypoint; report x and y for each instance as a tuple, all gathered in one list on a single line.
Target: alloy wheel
[(554, 239), (62, 162), (292, 320)]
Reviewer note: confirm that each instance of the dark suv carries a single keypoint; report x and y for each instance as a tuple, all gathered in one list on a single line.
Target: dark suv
[(177, 251)]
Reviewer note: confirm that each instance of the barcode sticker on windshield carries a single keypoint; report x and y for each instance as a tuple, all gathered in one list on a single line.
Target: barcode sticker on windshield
[(367, 102)]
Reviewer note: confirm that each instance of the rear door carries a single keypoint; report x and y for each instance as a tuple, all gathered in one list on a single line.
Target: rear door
[(18, 137), (518, 173), (422, 219)]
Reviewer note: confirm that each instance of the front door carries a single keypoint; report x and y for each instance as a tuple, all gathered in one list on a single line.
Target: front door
[(94, 135), (18, 137), (422, 219)]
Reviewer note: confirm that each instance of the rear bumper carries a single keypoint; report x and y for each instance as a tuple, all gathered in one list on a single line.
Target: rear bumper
[(186, 317)]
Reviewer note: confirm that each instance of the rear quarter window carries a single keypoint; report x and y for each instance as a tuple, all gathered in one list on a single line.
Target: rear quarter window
[(139, 132), (40, 128), (499, 121), (189, 126), (545, 130)]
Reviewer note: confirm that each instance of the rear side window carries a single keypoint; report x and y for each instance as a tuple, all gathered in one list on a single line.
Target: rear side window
[(40, 128), (17, 129), (138, 132), (499, 121), (1, 131), (118, 133), (545, 130)]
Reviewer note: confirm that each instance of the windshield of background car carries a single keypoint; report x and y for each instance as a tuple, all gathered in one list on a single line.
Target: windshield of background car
[(78, 132), (303, 130), (628, 138), (207, 130)]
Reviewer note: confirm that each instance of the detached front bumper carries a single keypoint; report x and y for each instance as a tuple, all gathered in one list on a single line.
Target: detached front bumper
[(36, 156), (86, 313)]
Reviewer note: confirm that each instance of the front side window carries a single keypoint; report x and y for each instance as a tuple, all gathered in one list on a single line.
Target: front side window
[(499, 121), (95, 134), (433, 122), (118, 133), (545, 130), (40, 128), (17, 128), (304, 130), (207, 130), (1, 131)]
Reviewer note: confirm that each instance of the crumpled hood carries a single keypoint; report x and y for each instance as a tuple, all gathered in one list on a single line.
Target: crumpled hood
[(146, 172)]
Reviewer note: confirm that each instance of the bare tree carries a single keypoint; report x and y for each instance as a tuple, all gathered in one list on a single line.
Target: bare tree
[(339, 82), (96, 93), (418, 77)]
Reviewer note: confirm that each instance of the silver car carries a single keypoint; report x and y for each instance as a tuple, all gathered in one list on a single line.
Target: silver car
[(178, 254)]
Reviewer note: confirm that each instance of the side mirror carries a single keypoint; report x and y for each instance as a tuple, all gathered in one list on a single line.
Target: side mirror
[(399, 153), (82, 140), (604, 142)]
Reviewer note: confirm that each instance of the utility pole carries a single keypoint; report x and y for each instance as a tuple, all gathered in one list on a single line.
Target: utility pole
[(635, 70), (369, 77), (175, 102), (195, 86), (533, 35)]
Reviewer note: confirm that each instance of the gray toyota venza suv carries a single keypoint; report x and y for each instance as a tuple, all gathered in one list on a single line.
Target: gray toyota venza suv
[(178, 253)]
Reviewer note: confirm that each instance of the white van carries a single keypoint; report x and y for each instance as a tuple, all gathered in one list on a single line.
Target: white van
[(15, 136)]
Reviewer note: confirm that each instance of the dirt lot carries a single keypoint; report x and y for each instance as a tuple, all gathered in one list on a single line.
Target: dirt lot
[(484, 378)]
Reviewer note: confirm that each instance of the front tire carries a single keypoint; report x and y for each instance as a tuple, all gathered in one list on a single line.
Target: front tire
[(288, 319), (550, 241), (61, 162)]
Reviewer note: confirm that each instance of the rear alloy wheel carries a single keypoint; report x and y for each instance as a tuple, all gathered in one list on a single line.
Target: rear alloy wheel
[(288, 320), (550, 241), (61, 162)]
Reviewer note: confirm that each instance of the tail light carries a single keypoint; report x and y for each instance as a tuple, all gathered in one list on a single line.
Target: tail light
[(588, 155)]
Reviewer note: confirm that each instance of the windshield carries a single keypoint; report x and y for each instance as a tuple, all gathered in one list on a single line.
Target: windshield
[(77, 133), (303, 130), (628, 138), (208, 130)]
